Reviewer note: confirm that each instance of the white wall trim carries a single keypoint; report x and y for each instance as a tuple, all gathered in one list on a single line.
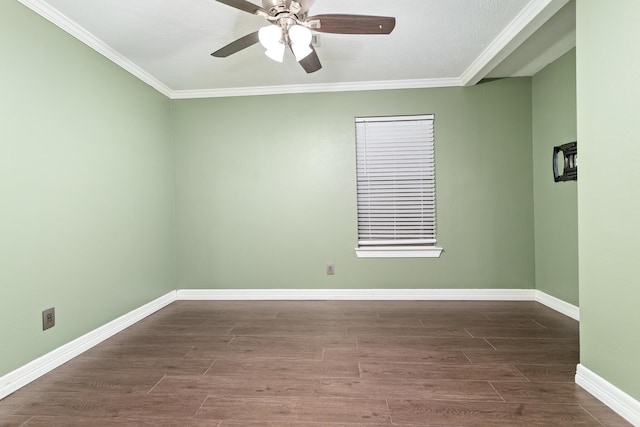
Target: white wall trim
[(558, 305), (359, 294), (74, 29), (22, 376), (398, 252), (619, 401), (316, 88), (63, 22), (552, 302), (534, 15)]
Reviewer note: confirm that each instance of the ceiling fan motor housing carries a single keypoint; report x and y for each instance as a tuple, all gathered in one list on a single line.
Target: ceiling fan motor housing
[(276, 6)]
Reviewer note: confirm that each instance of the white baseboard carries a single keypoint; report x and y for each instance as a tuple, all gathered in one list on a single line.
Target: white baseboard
[(558, 305), (552, 302), (22, 376), (359, 294), (626, 406)]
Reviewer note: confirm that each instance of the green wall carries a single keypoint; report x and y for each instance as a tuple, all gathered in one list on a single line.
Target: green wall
[(556, 204), (265, 190), (86, 196), (608, 67)]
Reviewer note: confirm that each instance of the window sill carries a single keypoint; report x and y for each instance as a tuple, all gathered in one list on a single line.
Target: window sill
[(399, 252)]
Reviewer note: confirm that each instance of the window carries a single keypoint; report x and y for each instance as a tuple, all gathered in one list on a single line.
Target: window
[(396, 187)]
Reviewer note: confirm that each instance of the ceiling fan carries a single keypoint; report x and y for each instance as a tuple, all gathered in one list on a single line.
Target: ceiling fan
[(290, 25)]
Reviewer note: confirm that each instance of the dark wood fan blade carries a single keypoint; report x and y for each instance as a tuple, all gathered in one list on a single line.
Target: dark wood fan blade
[(311, 63), (237, 46), (352, 24), (245, 6)]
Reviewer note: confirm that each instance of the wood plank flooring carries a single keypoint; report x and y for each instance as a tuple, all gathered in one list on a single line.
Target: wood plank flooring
[(323, 364)]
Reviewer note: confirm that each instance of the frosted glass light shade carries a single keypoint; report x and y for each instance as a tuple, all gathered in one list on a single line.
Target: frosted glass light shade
[(270, 35), (271, 39), (300, 41)]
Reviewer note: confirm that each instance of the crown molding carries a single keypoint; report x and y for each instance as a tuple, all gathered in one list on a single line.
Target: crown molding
[(316, 88), (71, 27), (536, 13), (75, 30)]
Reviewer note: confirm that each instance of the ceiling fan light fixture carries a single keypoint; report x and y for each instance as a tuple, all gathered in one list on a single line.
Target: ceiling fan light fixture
[(271, 39), (300, 38), (290, 26), (301, 52)]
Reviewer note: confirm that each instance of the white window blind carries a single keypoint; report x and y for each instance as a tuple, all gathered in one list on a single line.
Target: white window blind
[(396, 181)]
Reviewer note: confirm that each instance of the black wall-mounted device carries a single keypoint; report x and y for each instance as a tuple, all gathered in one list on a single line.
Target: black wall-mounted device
[(570, 161)]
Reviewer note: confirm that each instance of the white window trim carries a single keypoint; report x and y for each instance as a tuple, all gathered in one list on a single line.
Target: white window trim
[(399, 252)]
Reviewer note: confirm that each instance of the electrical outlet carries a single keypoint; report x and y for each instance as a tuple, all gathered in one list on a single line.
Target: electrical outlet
[(48, 318), (331, 269)]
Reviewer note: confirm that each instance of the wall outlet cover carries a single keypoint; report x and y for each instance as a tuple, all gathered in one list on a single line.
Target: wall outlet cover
[(48, 318), (331, 269)]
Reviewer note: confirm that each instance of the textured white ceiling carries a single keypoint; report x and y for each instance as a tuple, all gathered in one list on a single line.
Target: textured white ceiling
[(435, 43)]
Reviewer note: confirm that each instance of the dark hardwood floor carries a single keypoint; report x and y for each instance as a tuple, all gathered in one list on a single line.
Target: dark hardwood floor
[(323, 364)]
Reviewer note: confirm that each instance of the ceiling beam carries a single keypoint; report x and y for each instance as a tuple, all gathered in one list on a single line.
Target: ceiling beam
[(527, 22)]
